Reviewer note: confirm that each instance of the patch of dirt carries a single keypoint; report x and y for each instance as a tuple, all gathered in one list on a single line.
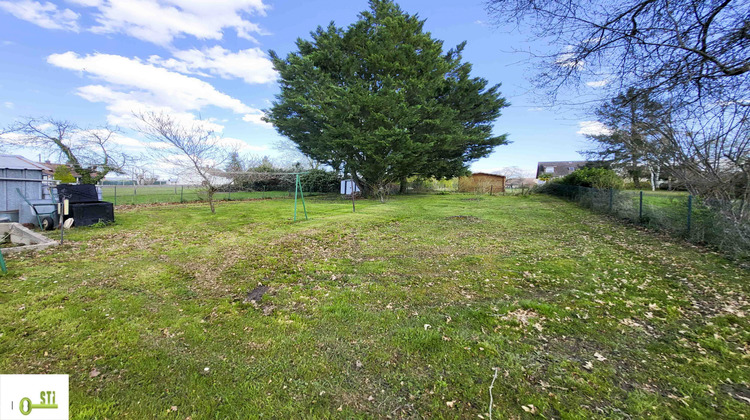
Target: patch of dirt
[(472, 219), (522, 316), (739, 392), (256, 294)]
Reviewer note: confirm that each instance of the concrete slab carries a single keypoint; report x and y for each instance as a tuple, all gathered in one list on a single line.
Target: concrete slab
[(30, 240)]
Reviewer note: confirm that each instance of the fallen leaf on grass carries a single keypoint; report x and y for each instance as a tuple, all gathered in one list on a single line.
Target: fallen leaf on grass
[(599, 357), (529, 408), (450, 404), (588, 366)]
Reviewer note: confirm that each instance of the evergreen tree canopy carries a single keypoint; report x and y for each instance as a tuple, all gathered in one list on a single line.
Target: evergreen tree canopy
[(382, 99), (635, 140)]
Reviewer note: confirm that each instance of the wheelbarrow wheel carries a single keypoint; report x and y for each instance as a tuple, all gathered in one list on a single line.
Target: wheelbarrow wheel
[(48, 223)]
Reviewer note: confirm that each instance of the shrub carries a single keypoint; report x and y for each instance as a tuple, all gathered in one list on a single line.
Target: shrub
[(645, 185), (318, 180), (593, 178), (62, 174)]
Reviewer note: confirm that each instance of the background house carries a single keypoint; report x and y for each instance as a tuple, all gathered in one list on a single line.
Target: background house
[(558, 169), (482, 182)]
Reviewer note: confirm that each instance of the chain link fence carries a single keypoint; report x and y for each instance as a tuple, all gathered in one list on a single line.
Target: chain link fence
[(708, 223), (151, 194)]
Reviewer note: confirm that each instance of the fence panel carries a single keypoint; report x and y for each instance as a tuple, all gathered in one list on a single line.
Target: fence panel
[(151, 194), (678, 213)]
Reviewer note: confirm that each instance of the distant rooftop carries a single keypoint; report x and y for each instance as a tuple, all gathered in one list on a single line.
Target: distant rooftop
[(17, 162)]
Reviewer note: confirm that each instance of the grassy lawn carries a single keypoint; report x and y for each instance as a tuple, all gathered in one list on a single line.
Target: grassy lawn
[(402, 309)]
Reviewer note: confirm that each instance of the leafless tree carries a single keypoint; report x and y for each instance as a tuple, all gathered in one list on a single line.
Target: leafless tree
[(697, 48), (141, 174), (291, 154), (193, 150), (691, 55), (513, 172), (91, 153), (713, 158)]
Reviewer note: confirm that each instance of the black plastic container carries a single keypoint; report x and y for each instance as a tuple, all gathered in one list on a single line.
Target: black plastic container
[(85, 207)]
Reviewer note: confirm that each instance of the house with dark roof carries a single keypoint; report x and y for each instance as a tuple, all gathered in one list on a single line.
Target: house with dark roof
[(48, 169), (558, 169)]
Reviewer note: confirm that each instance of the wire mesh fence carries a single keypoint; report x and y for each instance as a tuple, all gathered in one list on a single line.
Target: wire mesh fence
[(709, 223), (151, 194)]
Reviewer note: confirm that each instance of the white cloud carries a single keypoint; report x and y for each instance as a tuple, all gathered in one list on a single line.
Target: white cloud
[(255, 118), (161, 21), (46, 14), (568, 60), (240, 145), (592, 128), (251, 65), (9, 105), (597, 83), (131, 85)]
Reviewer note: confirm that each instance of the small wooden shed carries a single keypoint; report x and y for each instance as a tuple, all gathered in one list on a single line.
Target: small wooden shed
[(482, 183)]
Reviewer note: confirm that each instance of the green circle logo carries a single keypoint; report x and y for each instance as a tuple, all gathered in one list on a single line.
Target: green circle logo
[(28, 407)]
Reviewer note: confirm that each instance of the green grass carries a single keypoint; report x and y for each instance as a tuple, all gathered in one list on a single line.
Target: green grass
[(124, 195), (401, 310)]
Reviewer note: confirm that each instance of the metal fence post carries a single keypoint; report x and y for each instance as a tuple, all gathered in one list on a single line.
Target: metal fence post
[(182, 188), (690, 212), (640, 208)]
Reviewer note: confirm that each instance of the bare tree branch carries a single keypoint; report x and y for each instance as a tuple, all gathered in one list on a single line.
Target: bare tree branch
[(192, 149)]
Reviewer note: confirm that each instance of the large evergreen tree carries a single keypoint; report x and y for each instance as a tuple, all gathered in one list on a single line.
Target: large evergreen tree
[(383, 100), (635, 142)]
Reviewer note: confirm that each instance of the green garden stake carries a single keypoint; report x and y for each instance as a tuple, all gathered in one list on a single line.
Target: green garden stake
[(302, 195), (298, 189), (611, 198), (115, 203), (3, 268)]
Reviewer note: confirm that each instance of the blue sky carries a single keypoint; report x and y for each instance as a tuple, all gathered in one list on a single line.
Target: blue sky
[(96, 61)]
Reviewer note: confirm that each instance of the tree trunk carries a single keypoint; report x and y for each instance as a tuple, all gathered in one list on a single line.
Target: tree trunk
[(211, 200), (364, 190), (402, 187), (636, 175), (651, 172)]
